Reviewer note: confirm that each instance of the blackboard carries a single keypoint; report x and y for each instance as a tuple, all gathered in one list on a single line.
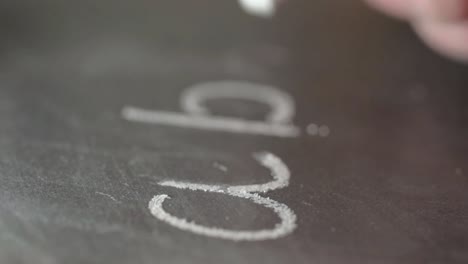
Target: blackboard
[(180, 131)]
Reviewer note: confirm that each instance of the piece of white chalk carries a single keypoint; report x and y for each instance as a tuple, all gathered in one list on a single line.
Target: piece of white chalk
[(262, 8)]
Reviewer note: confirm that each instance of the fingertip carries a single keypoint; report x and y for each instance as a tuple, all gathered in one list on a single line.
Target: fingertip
[(437, 10), (395, 8), (440, 10), (448, 39)]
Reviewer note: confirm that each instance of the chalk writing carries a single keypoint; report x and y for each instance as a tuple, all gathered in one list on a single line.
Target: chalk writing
[(280, 173), (278, 123)]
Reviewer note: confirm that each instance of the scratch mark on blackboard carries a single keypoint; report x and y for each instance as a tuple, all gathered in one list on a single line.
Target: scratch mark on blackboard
[(109, 196), (220, 166)]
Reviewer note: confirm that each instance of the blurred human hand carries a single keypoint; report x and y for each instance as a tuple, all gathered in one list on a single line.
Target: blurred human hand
[(443, 24)]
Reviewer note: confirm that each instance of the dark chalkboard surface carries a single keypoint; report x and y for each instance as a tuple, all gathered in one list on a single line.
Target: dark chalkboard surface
[(183, 131)]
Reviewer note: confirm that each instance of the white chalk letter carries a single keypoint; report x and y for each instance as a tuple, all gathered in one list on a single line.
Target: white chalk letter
[(280, 174)]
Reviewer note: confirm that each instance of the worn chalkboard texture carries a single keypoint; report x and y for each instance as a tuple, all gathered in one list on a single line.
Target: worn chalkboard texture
[(179, 131)]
